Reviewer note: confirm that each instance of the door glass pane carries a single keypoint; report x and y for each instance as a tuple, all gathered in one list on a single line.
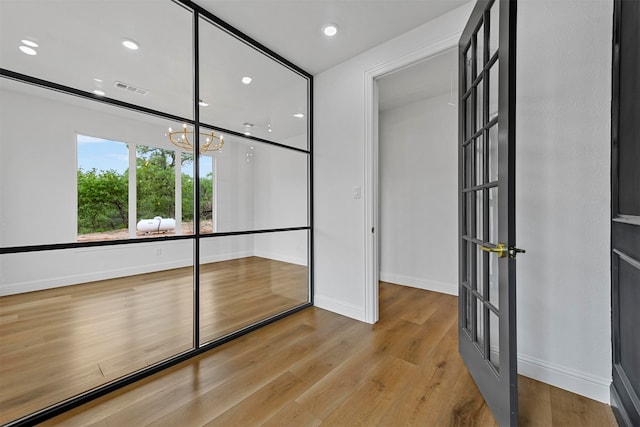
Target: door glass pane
[(88, 316), (468, 163), (469, 117), (493, 90), (479, 215), (480, 50), (468, 303), (468, 72), (493, 153), (470, 214), (248, 278), (494, 28), (471, 264), (494, 340), (480, 276), (494, 278), (493, 215), (464, 275), (480, 324), (480, 105), (479, 163)]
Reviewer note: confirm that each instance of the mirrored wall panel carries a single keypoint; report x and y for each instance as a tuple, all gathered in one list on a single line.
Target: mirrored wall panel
[(79, 318), (138, 52), (246, 91), (249, 185), (124, 152), (248, 278)]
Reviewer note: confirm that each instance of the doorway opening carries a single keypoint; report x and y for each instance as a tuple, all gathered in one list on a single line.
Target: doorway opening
[(417, 174), (434, 56)]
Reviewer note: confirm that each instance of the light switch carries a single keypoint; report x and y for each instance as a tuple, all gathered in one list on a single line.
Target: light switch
[(357, 192)]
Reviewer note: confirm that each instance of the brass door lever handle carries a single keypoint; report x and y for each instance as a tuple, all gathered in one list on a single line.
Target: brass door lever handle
[(502, 250)]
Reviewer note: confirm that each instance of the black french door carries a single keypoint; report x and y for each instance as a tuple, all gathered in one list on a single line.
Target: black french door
[(625, 213), (487, 315)]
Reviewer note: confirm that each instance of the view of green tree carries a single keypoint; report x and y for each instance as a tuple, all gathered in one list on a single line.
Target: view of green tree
[(155, 182), (206, 193), (206, 197), (103, 195), (102, 201)]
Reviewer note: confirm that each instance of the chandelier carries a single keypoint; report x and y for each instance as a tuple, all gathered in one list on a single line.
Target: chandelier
[(208, 141)]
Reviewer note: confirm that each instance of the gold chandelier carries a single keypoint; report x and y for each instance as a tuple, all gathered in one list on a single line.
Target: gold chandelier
[(207, 140)]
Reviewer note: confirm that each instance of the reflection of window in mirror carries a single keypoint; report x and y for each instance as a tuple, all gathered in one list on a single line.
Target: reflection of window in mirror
[(103, 189), (160, 208), (207, 193)]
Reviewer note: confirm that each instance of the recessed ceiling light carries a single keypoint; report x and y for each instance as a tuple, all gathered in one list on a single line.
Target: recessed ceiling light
[(298, 115), (130, 44), (247, 133), (246, 80), (98, 92), (202, 103), (28, 50), (97, 80), (29, 43), (330, 30)]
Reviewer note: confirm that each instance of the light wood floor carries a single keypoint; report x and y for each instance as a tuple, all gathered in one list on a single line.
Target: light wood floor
[(318, 368), (60, 342)]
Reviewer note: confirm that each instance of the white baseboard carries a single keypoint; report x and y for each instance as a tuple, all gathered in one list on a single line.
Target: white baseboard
[(74, 279), (582, 383), (281, 257), (339, 307), (420, 283)]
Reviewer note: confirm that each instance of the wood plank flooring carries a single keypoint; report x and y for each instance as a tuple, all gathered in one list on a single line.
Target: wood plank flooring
[(316, 368), (60, 342)]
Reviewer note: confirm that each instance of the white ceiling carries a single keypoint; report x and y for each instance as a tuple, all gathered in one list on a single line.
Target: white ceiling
[(292, 28), (80, 42)]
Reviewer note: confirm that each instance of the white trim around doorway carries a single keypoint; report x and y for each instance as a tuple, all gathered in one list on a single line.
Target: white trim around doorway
[(371, 202)]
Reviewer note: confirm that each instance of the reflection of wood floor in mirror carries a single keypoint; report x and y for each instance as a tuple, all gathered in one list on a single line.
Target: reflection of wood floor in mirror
[(59, 342)]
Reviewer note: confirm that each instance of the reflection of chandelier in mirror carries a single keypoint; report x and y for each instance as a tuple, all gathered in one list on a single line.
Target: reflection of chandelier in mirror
[(208, 141)]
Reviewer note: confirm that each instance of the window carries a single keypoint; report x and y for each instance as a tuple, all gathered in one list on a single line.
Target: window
[(103, 189), (161, 208)]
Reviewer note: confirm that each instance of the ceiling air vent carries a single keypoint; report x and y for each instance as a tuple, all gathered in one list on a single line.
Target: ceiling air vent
[(131, 88)]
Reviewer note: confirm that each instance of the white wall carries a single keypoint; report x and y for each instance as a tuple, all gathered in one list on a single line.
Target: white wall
[(563, 193), (563, 134), (339, 147), (418, 195)]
